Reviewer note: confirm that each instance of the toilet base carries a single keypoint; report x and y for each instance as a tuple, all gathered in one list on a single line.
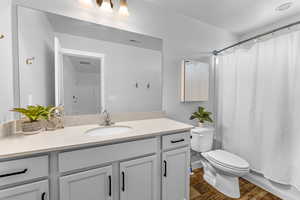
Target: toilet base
[(227, 184)]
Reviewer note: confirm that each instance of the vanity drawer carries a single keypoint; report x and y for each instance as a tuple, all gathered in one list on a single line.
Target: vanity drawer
[(23, 170), (175, 140), (79, 159)]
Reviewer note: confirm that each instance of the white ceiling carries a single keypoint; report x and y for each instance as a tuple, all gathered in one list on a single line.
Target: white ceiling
[(237, 16)]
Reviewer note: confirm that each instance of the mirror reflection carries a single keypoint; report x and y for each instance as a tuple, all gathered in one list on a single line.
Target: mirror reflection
[(86, 67), (194, 81), (82, 84)]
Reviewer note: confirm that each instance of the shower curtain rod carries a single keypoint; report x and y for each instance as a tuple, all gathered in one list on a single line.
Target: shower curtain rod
[(216, 52)]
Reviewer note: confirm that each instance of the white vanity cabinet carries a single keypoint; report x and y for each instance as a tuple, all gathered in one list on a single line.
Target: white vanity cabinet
[(138, 179), (155, 168), (15, 172), (20, 170), (92, 185), (34, 191), (175, 169), (175, 177)]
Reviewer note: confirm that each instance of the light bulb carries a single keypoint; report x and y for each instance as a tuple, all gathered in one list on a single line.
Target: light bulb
[(86, 3), (123, 10), (106, 6)]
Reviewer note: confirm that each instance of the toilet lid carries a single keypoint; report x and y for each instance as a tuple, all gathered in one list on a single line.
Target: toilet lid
[(227, 159)]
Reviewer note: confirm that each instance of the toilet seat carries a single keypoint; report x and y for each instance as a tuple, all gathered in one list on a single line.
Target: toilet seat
[(227, 160), (226, 167)]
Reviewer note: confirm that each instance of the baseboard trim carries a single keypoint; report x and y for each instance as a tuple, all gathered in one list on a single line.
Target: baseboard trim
[(196, 165), (282, 191)]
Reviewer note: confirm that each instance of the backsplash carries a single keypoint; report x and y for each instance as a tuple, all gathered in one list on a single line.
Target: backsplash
[(10, 128), (7, 129), (80, 120)]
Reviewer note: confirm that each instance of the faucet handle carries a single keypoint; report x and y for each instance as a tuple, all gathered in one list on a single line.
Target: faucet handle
[(107, 118)]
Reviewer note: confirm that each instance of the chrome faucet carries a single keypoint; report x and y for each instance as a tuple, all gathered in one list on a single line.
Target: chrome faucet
[(107, 119)]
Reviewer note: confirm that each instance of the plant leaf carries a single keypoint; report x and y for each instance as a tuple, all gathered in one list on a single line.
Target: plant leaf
[(34, 113), (202, 115)]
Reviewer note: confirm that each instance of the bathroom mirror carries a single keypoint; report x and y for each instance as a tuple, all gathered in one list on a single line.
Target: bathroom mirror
[(86, 67), (194, 80)]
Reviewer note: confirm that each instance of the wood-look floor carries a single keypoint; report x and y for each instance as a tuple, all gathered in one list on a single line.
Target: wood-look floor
[(200, 190)]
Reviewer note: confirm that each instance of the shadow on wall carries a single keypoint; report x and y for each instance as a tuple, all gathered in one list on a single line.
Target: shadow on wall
[(50, 79)]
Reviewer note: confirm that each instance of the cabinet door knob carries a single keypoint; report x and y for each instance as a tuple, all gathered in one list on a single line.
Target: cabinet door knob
[(109, 190), (14, 173), (44, 196), (177, 141), (123, 181), (165, 173)]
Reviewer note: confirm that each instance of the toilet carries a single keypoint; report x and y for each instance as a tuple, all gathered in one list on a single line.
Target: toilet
[(222, 169)]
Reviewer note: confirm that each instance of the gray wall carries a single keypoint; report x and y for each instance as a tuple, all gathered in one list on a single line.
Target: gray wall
[(6, 75), (36, 39)]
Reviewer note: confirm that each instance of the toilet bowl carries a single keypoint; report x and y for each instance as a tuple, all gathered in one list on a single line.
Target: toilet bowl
[(222, 169)]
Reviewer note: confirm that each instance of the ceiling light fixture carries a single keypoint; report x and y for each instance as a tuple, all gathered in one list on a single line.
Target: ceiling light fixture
[(86, 3), (123, 10), (106, 5), (284, 6)]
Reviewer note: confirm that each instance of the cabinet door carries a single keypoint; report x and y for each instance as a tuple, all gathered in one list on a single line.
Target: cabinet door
[(90, 185), (138, 179), (34, 191), (175, 174)]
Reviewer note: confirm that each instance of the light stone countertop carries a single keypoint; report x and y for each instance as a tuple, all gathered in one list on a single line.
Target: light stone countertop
[(74, 137)]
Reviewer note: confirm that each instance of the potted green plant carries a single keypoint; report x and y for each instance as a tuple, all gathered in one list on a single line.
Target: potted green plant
[(202, 116), (34, 115)]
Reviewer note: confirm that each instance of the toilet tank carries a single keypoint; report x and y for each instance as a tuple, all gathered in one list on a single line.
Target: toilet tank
[(202, 139)]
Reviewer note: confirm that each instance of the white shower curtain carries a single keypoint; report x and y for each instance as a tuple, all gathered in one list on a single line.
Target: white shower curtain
[(259, 106)]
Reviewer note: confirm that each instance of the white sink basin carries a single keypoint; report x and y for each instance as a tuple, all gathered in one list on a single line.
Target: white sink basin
[(110, 130)]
